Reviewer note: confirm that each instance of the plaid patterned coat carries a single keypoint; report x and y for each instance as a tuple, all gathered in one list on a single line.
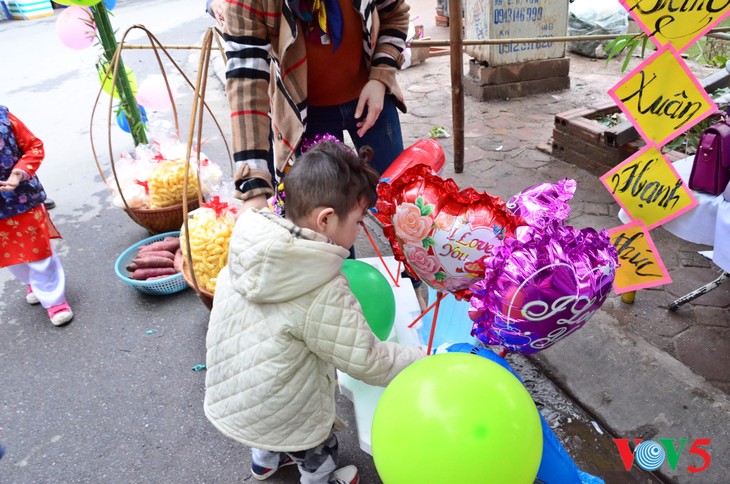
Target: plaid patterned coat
[(267, 71)]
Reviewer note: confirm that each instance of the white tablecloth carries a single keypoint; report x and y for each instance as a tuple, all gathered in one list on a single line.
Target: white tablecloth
[(708, 223)]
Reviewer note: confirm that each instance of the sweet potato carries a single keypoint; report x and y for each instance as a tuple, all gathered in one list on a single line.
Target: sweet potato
[(156, 253), (131, 267), (178, 261), (146, 262), (168, 245), (146, 273)]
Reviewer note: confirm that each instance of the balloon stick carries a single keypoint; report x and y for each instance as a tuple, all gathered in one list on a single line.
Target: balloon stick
[(440, 296), (380, 256)]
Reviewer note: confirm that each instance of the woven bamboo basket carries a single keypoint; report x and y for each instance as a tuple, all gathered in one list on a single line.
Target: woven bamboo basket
[(159, 220), (205, 296), (195, 135)]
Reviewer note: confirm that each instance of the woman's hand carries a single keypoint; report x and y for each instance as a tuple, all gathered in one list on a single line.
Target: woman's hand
[(9, 185), (372, 96)]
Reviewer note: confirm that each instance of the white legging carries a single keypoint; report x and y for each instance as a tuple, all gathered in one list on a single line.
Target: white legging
[(45, 277)]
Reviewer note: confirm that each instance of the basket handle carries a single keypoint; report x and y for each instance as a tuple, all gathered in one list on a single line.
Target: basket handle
[(112, 72), (197, 111)]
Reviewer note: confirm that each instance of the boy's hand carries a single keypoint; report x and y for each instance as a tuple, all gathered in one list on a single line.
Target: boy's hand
[(443, 348), (372, 96), (9, 185)]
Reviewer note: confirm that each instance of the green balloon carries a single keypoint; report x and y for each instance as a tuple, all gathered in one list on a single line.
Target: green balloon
[(375, 295), (456, 417), (106, 80), (80, 3)]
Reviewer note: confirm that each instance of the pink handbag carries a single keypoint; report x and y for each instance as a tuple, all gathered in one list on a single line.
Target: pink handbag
[(711, 166)]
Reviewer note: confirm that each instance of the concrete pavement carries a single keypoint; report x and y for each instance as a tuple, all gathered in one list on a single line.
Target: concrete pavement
[(640, 370)]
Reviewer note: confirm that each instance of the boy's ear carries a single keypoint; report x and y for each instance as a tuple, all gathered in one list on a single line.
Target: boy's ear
[(324, 216)]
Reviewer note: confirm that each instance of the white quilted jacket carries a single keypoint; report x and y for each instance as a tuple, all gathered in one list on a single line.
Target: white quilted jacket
[(283, 319)]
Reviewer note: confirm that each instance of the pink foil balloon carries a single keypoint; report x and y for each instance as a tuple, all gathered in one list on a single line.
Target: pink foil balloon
[(542, 203), (441, 233), (75, 27), (542, 286)]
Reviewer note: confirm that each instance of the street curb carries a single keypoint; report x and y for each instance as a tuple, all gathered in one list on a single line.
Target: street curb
[(655, 397)]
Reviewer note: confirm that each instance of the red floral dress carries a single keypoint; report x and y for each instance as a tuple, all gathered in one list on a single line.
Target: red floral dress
[(25, 237)]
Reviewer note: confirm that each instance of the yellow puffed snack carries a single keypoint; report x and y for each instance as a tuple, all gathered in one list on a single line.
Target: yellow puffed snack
[(210, 234), (165, 183)]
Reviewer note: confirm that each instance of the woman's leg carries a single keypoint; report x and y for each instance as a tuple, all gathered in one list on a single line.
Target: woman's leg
[(324, 120), (385, 137)]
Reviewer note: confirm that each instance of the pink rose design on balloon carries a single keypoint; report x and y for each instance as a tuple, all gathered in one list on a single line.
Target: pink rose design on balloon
[(426, 265), (455, 229), (411, 224)]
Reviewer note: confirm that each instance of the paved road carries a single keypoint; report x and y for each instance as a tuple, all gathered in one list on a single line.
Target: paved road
[(112, 397)]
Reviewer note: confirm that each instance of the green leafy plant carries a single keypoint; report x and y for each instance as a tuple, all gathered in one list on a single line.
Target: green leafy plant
[(626, 44), (690, 139)]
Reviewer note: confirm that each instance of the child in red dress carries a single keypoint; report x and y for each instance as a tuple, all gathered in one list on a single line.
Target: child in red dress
[(25, 229)]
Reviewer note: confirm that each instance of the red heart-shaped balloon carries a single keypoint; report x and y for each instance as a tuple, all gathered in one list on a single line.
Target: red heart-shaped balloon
[(442, 234), (423, 152)]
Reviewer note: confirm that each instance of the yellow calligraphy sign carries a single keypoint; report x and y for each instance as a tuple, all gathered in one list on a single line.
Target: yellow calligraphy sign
[(662, 97), (640, 266), (677, 22), (648, 188)]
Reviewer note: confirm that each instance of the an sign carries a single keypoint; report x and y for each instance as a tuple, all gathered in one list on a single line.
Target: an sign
[(675, 22), (662, 98), (515, 19), (640, 265), (648, 188)]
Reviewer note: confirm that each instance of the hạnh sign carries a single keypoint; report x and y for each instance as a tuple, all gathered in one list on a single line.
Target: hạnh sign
[(648, 188)]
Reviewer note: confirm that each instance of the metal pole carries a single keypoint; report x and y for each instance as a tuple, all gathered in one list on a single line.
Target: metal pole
[(457, 82)]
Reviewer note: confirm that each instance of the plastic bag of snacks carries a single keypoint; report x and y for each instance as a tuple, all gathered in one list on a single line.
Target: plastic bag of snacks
[(153, 176), (132, 172), (210, 229), (166, 183)]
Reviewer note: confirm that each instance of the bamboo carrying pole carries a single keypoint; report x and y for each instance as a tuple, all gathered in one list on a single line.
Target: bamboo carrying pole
[(456, 44)]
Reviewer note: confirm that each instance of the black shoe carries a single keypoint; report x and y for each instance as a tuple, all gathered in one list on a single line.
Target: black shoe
[(49, 203)]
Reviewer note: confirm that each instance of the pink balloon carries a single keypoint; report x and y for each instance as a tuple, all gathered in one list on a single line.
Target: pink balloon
[(542, 286), (443, 234), (75, 27), (152, 93)]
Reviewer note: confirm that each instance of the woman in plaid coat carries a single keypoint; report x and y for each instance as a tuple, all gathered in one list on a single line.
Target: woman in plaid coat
[(301, 68)]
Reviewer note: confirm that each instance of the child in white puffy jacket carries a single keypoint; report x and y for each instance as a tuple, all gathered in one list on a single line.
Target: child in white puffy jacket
[(284, 319)]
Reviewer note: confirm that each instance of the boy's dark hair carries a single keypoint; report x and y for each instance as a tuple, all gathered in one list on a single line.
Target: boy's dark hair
[(330, 175)]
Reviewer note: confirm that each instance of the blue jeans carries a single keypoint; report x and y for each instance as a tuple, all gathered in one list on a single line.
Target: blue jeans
[(384, 137)]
